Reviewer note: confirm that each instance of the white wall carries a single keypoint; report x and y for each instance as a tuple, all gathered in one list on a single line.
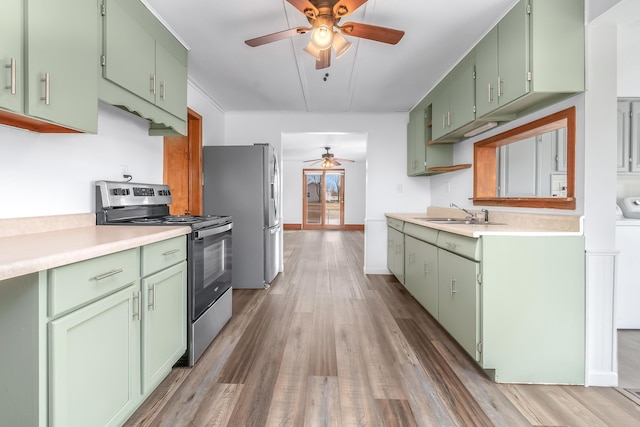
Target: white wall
[(354, 190), (53, 174), (388, 188)]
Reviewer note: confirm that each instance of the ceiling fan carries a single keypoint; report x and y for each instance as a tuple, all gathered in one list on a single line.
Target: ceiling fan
[(328, 161), (324, 15)]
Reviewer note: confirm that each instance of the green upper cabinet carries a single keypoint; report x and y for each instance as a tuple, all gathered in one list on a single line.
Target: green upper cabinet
[(48, 64), (171, 77), (422, 154), (144, 67), (11, 60), (61, 46), (454, 99), (533, 57)]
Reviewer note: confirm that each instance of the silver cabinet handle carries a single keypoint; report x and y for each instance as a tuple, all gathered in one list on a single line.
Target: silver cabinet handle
[(153, 83), (444, 123), (152, 297), (499, 87), (448, 118), (171, 252), (12, 66), (137, 305), (489, 98), (450, 245), (426, 268), (453, 286), (109, 274), (47, 87), (163, 90)]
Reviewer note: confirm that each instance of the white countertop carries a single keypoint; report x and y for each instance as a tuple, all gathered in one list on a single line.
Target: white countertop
[(511, 224), (30, 253)]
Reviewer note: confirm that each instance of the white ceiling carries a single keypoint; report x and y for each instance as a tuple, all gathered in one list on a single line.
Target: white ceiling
[(370, 77)]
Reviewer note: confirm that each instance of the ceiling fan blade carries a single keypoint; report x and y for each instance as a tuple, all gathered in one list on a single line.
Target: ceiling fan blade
[(345, 160), (345, 7), (325, 59), (303, 6), (336, 163), (269, 38), (314, 160), (372, 32)]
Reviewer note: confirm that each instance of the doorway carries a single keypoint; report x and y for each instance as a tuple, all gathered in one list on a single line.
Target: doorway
[(183, 168), (323, 199)]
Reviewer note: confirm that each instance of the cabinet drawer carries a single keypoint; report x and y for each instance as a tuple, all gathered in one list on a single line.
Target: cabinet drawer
[(160, 255), (76, 284), (395, 223), (426, 234), (464, 246)]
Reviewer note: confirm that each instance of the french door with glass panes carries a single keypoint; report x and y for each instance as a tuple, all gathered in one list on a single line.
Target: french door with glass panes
[(323, 198)]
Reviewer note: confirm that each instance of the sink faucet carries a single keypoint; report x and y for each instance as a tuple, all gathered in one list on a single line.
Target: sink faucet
[(486, 215), (470, 215)]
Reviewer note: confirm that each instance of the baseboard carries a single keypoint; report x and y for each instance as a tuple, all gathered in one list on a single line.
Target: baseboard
[(354, 227), (602, 379), (347, 227)]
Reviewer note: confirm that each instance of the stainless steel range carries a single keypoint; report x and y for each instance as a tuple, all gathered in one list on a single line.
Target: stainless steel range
[(209, 252)]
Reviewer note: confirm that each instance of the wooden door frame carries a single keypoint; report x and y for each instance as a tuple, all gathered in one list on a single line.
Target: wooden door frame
[(194, 141), (322, 225)]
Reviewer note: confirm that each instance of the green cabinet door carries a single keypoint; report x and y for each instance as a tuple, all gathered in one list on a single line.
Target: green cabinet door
[(164, 323), (513, 54), (441, 113), (462, 94), (395, 253), (94, 362), (459, 300), (11, 59), (486, 53), (62, 50), (172, 83), (129, 51), (421, 273)]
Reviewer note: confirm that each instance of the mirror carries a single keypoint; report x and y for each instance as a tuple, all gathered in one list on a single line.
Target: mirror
[(532, 165)]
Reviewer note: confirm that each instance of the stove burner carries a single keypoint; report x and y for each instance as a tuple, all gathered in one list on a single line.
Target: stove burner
[(146, 221), (179, 218)]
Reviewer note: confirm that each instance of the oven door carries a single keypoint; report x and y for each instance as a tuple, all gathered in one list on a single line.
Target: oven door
[(210, 264)]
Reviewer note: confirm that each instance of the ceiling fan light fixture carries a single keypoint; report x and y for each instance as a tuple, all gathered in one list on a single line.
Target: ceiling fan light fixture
[(340, 44), (322, 37), (326, 164)]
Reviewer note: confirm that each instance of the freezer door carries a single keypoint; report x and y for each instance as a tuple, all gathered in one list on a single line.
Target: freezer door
[(274, 189), (272, 253)]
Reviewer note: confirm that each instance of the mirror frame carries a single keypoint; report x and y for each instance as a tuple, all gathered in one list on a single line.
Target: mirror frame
[(485, 166)]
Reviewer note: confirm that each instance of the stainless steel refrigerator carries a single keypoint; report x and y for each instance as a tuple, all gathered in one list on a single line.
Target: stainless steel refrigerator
[(243, 181)]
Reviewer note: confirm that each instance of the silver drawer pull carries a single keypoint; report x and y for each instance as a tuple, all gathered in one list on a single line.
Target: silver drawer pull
[(12, 66), (137, 304), (109, 274), (47, 89), (171, 252), (450, 245), (453, 286), (152, 297)]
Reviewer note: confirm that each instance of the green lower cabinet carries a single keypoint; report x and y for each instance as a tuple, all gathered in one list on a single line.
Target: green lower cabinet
[(459, 300), (421, 273), (164, 332), (94, 355), (395, 253)]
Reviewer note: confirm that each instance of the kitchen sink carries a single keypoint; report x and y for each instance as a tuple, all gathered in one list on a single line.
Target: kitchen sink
[(456, 221)]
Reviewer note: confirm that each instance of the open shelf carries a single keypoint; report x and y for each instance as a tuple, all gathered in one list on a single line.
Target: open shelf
[(449, 168)]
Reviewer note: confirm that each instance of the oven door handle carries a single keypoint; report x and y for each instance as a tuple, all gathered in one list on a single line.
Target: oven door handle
[(199, 234)]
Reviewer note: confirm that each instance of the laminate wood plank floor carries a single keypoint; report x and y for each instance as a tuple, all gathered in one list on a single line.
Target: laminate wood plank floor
[(327, 345)]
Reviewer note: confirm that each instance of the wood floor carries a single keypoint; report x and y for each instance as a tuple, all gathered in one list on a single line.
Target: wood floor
[(327, 345)]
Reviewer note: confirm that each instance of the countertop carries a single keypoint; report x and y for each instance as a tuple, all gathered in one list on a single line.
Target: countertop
[(29, 253), (510, 223)]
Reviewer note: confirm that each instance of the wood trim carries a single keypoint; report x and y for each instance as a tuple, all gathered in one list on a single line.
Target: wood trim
[(194, 129), (292, 227), (485, 167), (322, 225), (34, 125)]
